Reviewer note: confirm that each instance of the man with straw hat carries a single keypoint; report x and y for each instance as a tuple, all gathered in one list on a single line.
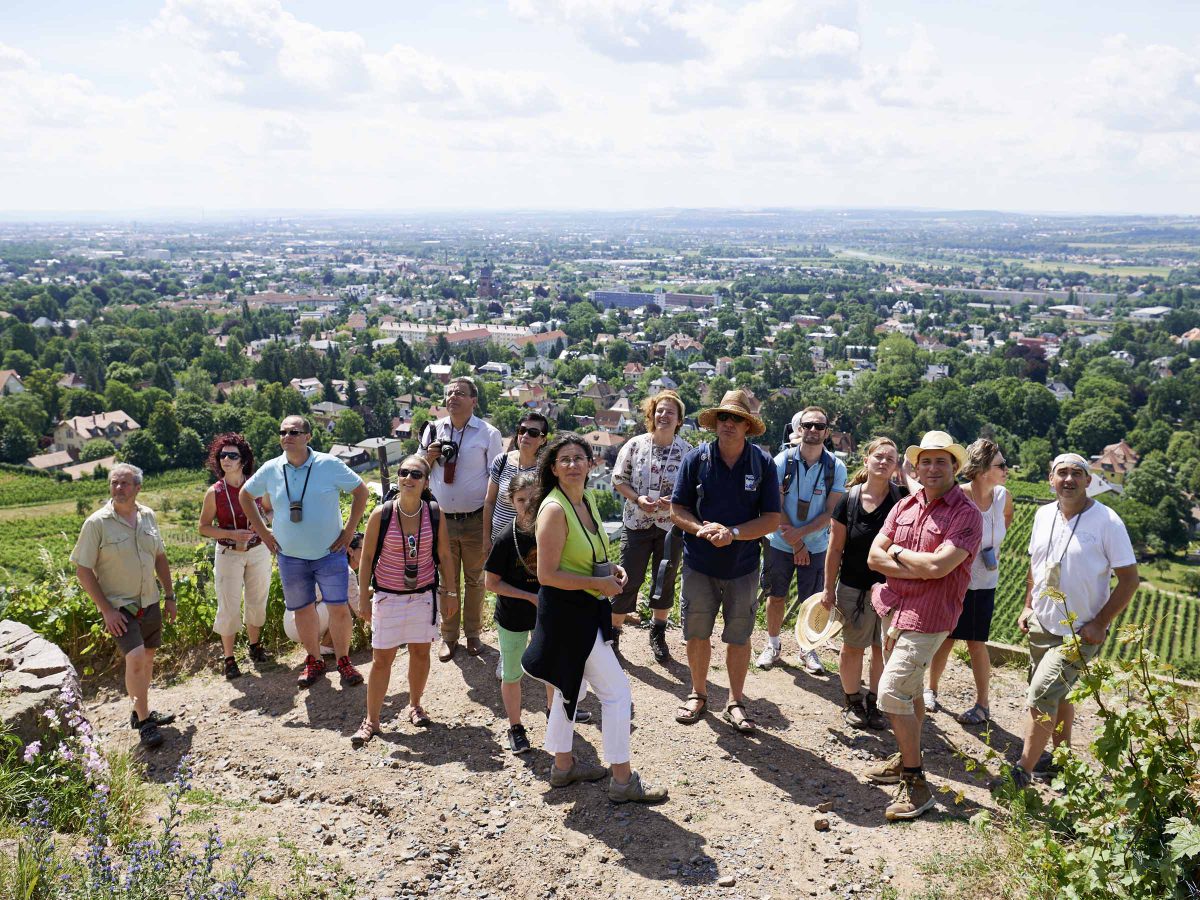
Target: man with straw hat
[(1075, 548), (726, 500), (924, 550)]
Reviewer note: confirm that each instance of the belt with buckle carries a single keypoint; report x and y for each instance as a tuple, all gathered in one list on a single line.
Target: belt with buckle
[(466, 515)]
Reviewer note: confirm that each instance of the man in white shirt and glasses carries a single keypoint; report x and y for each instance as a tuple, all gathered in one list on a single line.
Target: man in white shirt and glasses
[(461, 448)]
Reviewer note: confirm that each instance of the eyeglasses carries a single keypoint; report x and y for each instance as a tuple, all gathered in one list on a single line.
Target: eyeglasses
[(229, 455), (290, 432), (1000, 465), (814, 426), (450, 394), (729, 417), (572, 461), (409, 473), (530, 430)]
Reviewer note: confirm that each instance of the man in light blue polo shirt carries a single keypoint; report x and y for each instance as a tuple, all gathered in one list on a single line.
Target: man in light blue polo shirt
[(812, 481), (309, 539)]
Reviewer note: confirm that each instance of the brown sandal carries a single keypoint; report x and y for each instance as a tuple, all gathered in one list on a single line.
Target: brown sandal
[(685, 715), (365, 732), (742, 722), (419, 717)]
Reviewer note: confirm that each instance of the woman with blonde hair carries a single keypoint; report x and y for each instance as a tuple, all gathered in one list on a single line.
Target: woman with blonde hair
[(644, 475), (859, 516), (985, 472)]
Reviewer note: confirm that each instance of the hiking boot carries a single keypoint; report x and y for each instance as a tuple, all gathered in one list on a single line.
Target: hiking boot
[(812, 663), (1045, 768), (578, 772), (148, 734), (350, 675), (635, 791), (855, 713), (231, 669), (156, 717), (887, 772), (1019, 777), (518, 741), (258, 654), (658, 641), (913, 798), (769, 656), (314, 668), (875, 719)]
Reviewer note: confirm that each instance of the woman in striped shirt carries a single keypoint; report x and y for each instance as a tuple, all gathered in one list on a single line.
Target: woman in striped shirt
[(403, 609), (531, 437)]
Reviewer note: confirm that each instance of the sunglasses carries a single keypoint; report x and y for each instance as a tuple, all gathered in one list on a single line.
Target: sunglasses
[(530, 430), (814, 426), (290, 432), (409, 473), (229, 455), (729, 417), (1002, 465)]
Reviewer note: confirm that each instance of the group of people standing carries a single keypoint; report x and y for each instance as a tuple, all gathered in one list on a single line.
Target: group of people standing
[(908, 561)]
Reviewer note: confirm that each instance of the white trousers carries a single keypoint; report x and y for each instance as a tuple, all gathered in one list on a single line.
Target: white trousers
[(233, 574), (608, 681)]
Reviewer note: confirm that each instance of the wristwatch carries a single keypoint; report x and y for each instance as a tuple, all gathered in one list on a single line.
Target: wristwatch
[(735, 532), (896, 550)]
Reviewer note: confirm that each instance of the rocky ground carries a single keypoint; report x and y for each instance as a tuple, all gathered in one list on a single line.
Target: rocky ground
[(449, 812)]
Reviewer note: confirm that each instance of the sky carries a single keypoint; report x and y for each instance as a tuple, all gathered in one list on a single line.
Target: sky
[(205, 105)]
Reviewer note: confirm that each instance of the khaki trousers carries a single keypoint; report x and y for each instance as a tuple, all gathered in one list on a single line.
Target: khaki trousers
[(467, 556)]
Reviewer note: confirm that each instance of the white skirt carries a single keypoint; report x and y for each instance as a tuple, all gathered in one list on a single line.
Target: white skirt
[(403, 619)]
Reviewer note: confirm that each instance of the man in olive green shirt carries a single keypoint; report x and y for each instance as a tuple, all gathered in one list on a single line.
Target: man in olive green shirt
[(117, 556)]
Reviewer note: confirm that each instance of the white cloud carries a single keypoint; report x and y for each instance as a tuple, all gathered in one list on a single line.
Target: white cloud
[(1148, 88), (624, 30)]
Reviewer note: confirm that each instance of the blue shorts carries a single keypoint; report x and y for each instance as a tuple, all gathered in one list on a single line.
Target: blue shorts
[(778, 569), (300, 578)]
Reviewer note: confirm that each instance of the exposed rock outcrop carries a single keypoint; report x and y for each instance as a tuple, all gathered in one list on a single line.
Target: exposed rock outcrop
[(32, 673)]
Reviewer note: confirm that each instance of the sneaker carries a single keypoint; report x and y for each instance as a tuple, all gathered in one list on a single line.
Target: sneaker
[(156, 717), (578, 772), (875, 719), (350, 675), (812, 663), (314, 668), (855, 713), (1019, 777), (518, 741), (931, 701), (148, 735), (582, 716), (258, 654), (913, 798), (231, 669), (635, 791), (1045, 764), (768, 657), (658, 641), (887, 772)]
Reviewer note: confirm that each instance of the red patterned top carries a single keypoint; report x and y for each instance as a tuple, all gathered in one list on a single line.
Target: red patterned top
[(916, 523), (389, 571), (230, 514)]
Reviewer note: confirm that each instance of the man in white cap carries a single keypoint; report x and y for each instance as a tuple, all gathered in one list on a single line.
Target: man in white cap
[(812, 481), (1076, 545), (924, 550)]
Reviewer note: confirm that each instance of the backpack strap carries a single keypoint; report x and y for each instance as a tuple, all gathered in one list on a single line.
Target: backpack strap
[(435, 517), (791, 467), (829, 466), (853, 506), (385, 521)]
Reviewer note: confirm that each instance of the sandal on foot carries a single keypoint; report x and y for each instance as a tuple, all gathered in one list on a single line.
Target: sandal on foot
[(419, 717), (976, 715), (365, 732), (742, 722), (685, 715)]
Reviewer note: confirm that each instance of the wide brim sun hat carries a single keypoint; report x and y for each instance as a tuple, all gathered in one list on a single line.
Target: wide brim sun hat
[(936, 440), (816, 625), (736, 402)]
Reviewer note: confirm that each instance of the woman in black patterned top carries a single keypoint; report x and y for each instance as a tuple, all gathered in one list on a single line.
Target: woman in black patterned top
[(530, 438)]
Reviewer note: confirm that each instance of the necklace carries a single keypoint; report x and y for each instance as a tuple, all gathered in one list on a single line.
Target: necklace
[(409, 515)]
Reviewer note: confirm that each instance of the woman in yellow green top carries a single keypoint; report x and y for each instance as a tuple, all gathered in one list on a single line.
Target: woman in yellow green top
[(571, 646)]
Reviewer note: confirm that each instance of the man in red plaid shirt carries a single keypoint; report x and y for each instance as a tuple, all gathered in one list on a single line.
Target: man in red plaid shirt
[(925, 549)]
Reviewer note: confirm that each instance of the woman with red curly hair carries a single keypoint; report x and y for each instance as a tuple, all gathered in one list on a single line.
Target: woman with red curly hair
[(243, 563)]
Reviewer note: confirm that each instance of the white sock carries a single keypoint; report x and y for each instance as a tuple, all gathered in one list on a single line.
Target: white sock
[(775, 642)]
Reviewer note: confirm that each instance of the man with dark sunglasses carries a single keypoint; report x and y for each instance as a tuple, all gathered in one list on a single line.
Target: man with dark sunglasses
[(461, 448), (310, 540), (812, 480)]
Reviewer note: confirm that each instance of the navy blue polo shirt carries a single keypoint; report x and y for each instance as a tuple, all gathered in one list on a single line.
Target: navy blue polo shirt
[(731, 496)]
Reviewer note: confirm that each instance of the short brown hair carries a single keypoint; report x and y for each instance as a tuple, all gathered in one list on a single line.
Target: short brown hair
[(469, 382), (650, 403)]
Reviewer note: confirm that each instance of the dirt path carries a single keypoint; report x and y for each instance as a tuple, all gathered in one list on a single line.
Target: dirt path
[(449, 812)]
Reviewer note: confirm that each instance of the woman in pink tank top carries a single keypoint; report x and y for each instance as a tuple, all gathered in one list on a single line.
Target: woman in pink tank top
[(397, 580), (242, 565)]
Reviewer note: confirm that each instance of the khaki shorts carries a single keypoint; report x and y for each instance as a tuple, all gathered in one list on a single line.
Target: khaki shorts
[(1051, 673), (860, 626), (141, 631), (904, 669)]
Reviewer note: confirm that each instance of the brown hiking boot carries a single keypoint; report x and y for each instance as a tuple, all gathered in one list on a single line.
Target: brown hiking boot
[(886, 772), (913, 798)]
